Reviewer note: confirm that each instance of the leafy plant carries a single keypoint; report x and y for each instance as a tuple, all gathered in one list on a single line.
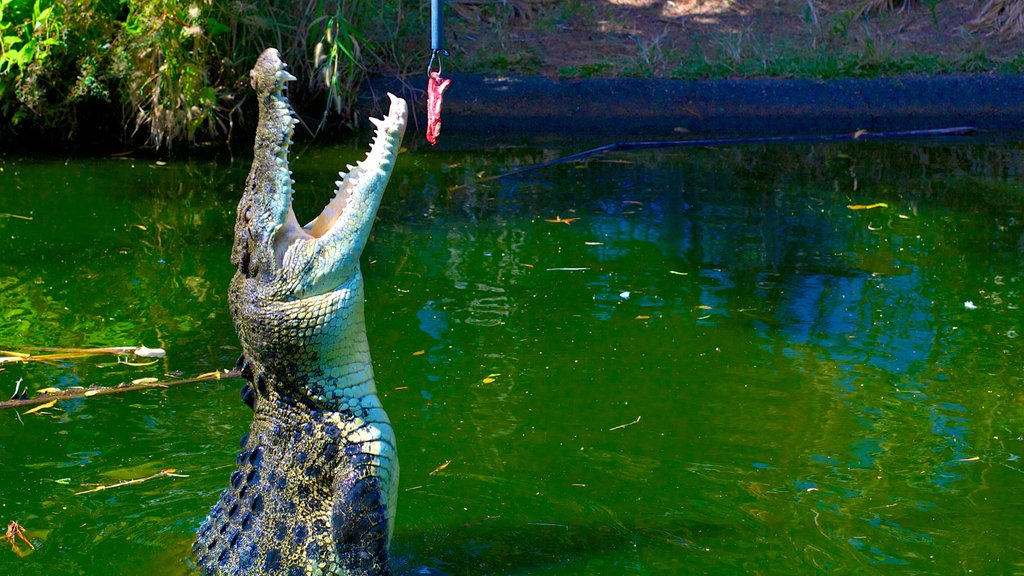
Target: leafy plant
[(25, 48), (162, 56), (178, 70)]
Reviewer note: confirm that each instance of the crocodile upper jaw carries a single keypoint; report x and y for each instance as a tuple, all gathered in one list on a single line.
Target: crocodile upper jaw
[(269, 240)]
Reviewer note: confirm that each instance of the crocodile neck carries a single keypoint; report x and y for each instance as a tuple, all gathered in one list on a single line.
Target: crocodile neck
[(328, 367)]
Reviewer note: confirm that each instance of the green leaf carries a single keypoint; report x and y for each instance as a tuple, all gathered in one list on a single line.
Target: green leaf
[(214, 27), (13, 58)]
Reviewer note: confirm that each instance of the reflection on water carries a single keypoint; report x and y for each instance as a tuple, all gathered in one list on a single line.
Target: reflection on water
[(659, 363)]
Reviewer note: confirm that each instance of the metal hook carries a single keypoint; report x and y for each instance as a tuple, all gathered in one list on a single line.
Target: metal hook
[(435, 56)]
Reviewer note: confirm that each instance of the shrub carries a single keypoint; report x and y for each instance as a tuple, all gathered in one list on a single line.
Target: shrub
[(178, 71)]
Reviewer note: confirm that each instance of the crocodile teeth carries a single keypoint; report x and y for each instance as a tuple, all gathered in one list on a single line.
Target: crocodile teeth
[(360, 179)]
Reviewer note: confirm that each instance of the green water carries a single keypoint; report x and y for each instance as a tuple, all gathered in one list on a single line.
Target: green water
[(718, 368)]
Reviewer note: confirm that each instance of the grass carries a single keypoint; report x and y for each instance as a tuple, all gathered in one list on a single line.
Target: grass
[(1004, 17), (822, 39), (738, 55)]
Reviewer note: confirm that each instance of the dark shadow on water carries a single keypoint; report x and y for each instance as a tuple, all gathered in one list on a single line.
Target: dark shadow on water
[(492, 547)]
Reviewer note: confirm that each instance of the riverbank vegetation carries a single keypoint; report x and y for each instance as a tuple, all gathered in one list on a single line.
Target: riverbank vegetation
[(166, 72), (170, 73)]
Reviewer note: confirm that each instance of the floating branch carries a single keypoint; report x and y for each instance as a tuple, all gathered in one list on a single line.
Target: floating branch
[(858, 136), (98, 488), (69, 353), (140, 384)]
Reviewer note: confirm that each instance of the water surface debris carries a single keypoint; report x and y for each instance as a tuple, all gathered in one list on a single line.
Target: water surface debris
[(15, 531), (560, 220), (81, 392), (101, 487), (551, 524), (441, 467), (867, 206), (621, 426), (53, 354), (49, 404)]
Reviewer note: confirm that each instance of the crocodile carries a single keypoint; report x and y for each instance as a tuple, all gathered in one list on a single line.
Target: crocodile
[(314, 487)]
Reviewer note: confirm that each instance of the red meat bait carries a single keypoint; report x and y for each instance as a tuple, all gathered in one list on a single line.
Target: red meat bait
[(435, 95)]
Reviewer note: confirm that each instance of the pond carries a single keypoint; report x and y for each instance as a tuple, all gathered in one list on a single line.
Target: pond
[(698, 361)]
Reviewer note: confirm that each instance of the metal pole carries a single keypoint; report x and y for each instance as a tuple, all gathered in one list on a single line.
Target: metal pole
[(437, 26)]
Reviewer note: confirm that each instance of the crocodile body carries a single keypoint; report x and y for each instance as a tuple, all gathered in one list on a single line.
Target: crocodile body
[(315, 484)]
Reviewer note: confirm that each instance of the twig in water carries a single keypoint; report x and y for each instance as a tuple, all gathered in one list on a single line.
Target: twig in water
[(141, 384), (167, 472), (19, 394), (66, 353), (553, 525), (858, 136), (441, 467), (620, 426)]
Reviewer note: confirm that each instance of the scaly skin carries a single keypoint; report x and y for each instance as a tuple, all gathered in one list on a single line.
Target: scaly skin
[(315, 485)]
